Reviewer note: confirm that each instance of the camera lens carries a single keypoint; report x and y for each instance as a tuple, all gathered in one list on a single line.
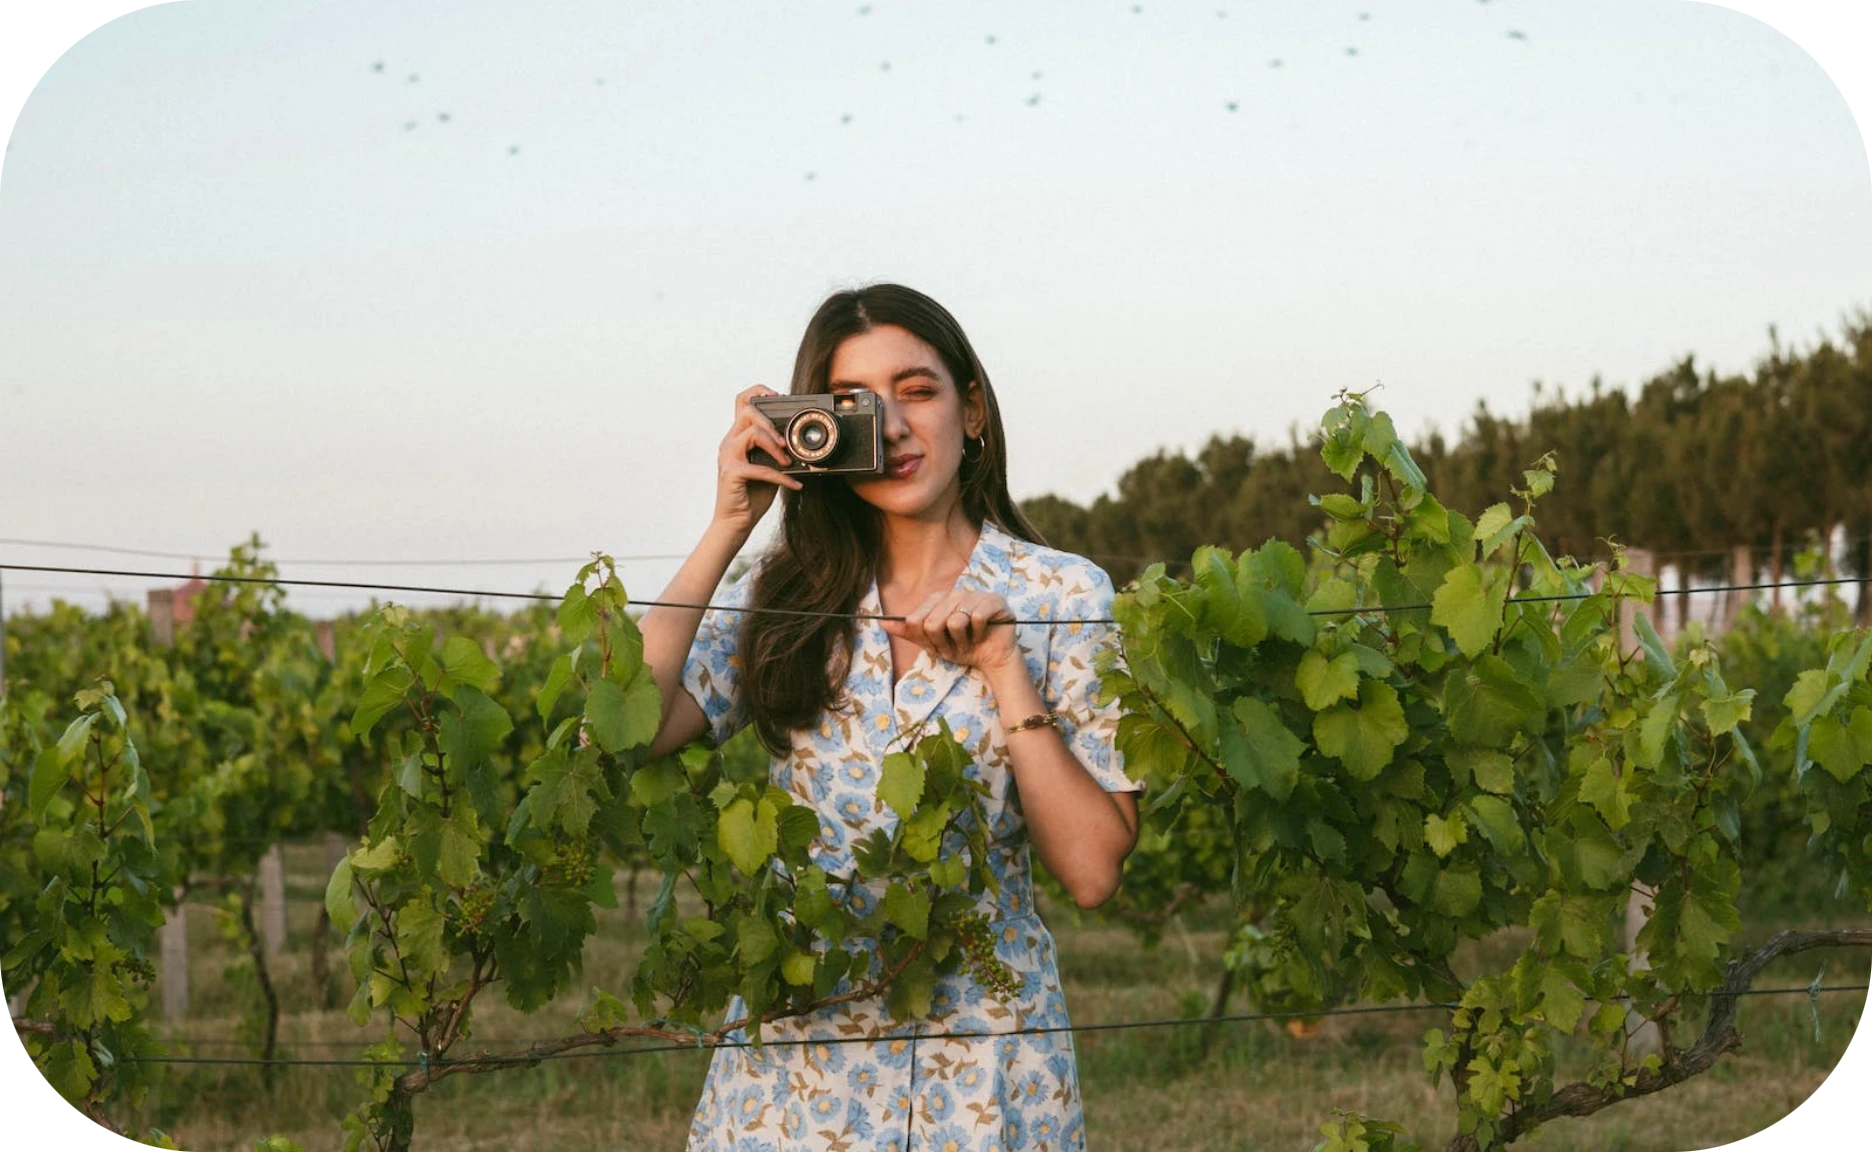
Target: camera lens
[(812, 435)]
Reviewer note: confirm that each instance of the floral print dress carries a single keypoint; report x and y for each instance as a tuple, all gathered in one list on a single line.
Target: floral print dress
[(902, 1088)]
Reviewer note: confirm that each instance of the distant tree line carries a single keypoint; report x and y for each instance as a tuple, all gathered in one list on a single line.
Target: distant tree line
[(1691, 467)]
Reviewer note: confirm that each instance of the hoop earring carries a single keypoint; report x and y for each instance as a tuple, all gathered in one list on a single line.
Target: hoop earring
[(981, 449)]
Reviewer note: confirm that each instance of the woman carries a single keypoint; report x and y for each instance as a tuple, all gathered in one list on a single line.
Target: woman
[(937, 541)]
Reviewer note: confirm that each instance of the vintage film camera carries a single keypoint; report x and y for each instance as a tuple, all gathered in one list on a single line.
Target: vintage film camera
[(838, 432)]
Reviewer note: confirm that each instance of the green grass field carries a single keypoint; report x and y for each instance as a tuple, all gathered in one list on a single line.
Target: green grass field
[(1258, 1087)]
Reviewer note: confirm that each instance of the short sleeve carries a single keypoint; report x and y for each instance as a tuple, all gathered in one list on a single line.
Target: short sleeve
[(1090, 729), (712, 673)]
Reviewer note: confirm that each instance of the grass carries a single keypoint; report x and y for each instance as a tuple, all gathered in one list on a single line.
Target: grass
[(1258, 1086)]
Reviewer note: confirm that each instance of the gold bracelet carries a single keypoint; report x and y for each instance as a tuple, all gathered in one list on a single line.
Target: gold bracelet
[(1037, 720)]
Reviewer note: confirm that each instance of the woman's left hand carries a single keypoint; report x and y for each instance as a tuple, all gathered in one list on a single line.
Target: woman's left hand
[(963, 627)]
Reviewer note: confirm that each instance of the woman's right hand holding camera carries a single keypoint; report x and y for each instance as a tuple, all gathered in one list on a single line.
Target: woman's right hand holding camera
[(745, 490)]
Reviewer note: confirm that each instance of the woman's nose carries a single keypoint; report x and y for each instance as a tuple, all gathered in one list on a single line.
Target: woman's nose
[(895, 426)]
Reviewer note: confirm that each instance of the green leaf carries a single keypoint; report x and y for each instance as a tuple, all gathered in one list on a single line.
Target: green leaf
[(1494, 527), (1604, 789), (378, 857), (577, 618), (1489, 703), (1458, 891), (1325, 682), (1267, 755), (461, 848), (1443, 834), (74, 736), (798, 969), (1341, 507), (1363, 738), (1469, 610), (1492, 771), (1813, 690), (1724, 714), (1655, 654), (1496, 818), (339, 904), (419, 937), (908, 908), (556, 680), (69, 1068), (1842, 749), (749, 833), (1655, 731), (1598, 859), (384, 692), (755, 939), (470, 736), (910, 994), (49, 774), (566, 791), (463, 662), (1234, 611), (621, 719), (900, 784), (25, 949)]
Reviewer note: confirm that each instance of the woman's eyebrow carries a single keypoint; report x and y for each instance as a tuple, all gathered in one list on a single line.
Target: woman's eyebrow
[(897, 377)]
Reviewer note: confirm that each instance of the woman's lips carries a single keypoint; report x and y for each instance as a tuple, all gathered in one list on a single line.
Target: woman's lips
[(899, 469)]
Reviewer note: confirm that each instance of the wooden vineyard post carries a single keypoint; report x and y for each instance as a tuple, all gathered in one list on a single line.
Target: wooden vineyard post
[(1741, 571), (324, 636), (173, 938), (273, 900)]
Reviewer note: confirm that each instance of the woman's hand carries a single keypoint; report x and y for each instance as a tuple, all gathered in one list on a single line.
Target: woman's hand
[(962, 627), (744, 491)]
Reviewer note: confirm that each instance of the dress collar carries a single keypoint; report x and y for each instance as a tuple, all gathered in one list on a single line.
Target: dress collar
[(930, 678)]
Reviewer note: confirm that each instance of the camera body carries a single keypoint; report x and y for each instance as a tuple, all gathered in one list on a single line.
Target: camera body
[(838, 433)]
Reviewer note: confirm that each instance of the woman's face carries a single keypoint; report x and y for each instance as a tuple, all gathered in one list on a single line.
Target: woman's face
[(925, 419)]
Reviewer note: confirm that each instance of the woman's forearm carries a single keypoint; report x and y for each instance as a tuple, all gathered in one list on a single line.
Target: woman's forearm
[(1082, 832), (668, 633)]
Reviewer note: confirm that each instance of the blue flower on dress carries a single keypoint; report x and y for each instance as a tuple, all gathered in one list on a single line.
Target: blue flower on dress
[(831, 854), (830, 1057), (1013, 1128), (855, 809), (894, 1052), (860, 900), (947, 1138), (857, 773), (824, 1108), (858, 1120), (863, 1078), (1061, 1065), (938, 1105), (1030, 1089), (793, 1122), (749, 1102), (896, 1106), (970, 1078)]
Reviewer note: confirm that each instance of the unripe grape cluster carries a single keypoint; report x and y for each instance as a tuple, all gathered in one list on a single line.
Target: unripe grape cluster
[(571, 865), (977, 940), (476, 903)]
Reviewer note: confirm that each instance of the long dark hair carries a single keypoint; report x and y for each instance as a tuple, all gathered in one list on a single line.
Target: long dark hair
[(827, 552)]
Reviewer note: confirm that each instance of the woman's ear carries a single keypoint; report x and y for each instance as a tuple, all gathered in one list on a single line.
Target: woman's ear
[(974, 409)]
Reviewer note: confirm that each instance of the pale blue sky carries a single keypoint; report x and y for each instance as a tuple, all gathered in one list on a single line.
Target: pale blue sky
[(237, 292)]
